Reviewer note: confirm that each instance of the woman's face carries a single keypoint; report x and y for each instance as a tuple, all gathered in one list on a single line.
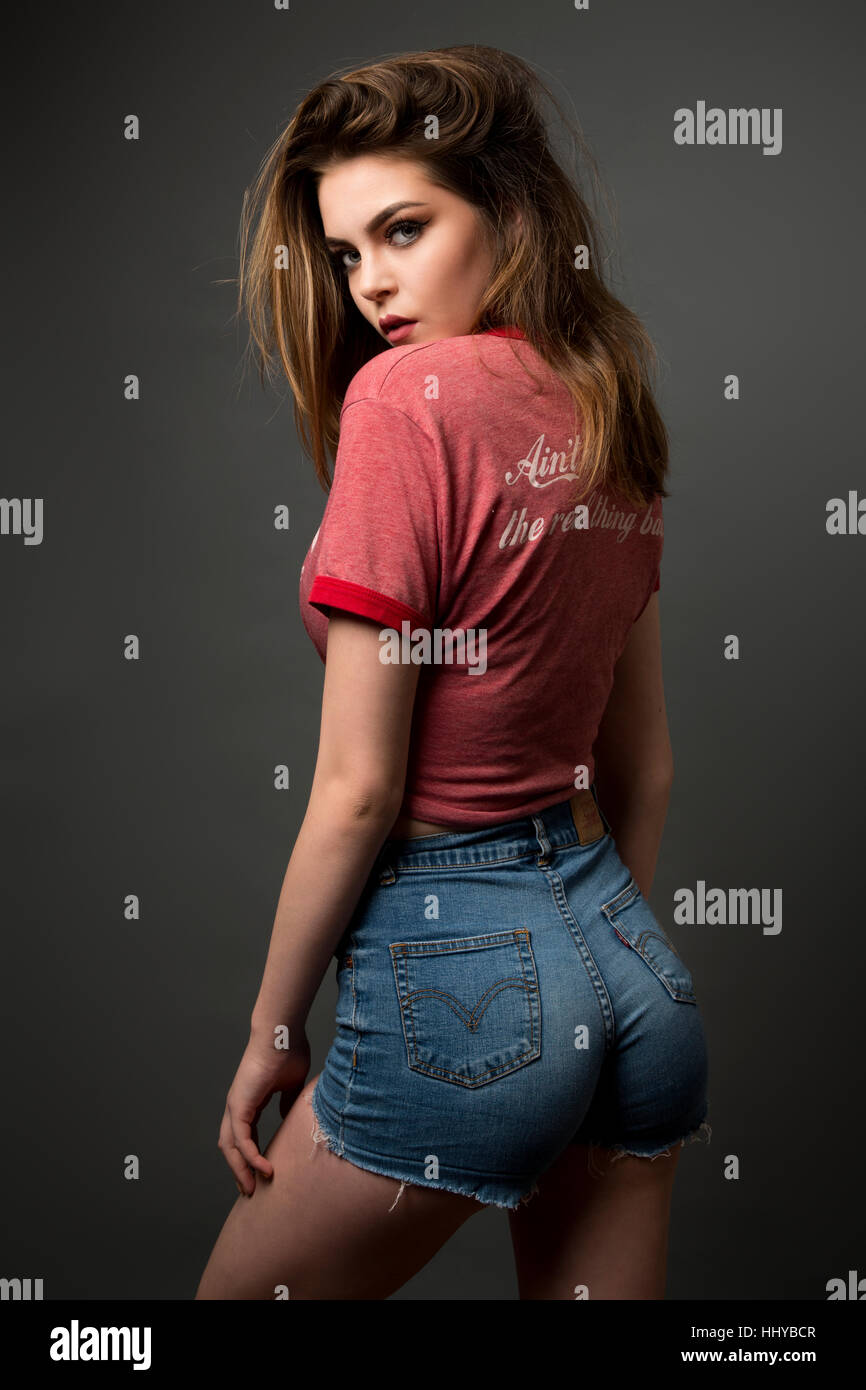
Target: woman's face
[(428, 261)]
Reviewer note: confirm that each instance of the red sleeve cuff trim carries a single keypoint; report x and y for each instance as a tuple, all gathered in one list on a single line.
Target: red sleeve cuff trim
[(658, 582), (328, 592)]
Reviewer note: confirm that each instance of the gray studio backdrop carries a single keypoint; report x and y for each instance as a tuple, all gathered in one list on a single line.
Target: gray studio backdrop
[(155, 777)]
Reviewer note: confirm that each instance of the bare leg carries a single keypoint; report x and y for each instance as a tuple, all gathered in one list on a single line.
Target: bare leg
[(599, 1221), (325, 1228)]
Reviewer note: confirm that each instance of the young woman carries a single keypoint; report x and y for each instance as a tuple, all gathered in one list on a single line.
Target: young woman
[(513, 1025)]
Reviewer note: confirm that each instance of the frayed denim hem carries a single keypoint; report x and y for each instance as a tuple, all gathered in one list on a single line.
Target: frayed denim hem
[(702, 1133), (320, 1136)]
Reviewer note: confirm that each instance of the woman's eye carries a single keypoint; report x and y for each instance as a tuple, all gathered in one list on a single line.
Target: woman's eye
[(404, 227), (412, 228)]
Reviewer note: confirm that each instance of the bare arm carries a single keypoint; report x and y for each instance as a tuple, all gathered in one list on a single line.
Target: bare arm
[(356, 794), (634, 759)]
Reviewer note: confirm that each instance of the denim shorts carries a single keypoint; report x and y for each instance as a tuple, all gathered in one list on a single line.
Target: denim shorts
[(503, 993)]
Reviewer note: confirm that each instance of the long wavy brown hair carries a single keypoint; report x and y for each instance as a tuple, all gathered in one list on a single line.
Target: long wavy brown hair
[(493, 149)]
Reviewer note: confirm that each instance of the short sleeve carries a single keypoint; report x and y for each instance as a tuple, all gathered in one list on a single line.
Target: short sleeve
[(378, 546), (658, 582)]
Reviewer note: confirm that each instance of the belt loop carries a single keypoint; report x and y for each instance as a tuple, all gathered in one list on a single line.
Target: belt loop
[(387, 875), (544, 857)]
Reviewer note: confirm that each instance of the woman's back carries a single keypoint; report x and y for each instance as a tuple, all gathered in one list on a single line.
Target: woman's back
[(451, 511)]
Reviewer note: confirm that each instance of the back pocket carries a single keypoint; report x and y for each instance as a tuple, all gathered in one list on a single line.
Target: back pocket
[(470, 1005), (633, 920)]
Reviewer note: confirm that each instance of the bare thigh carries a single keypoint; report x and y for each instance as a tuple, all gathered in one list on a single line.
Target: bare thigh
[(324, 1228), (597, 1228)]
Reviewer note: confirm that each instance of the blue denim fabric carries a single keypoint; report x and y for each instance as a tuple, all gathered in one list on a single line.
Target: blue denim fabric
[(503, 993)]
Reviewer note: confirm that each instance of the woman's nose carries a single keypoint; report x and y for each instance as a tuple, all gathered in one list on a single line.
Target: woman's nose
[(375, 278)]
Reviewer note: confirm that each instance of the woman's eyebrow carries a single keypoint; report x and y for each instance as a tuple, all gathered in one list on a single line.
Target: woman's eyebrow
[(374, 222)]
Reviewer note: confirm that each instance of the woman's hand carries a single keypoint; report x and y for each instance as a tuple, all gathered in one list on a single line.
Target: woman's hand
[(264, 1069)]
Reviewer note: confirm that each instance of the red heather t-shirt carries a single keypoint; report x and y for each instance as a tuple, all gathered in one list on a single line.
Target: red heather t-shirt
[(451, 507)]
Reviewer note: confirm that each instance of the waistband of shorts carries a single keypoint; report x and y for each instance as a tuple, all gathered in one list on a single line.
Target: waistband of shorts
[(579, 820)]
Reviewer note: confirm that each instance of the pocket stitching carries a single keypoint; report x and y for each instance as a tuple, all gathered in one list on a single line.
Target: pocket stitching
[(622, 899), (401, 950), (507, 981), (447, 945), (617, 905)]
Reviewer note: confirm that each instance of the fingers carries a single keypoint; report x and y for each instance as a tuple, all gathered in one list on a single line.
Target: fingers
[(241, 1153), (250, 1149), (232, 1155)]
